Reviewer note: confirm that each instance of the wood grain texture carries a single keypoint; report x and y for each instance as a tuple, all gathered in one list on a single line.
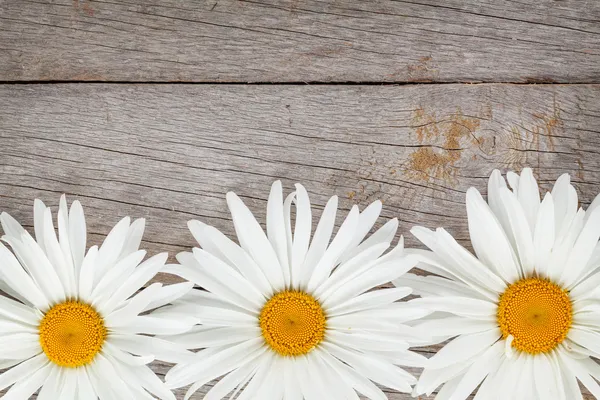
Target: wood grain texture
[(300, 41), (169, 153)]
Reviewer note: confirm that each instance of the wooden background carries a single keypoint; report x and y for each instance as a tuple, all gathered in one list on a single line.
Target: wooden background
[(156, 109)]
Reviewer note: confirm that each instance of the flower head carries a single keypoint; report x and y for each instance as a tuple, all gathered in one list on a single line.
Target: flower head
[(291, 313), (73, 325), (523, 312)]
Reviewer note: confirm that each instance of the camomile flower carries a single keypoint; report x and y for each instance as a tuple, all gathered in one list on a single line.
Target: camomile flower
[(73, 325), (288, 317), (523, 312)]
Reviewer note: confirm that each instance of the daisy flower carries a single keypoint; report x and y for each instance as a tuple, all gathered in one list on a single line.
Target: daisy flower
[(284, 316), (523, 312), (73, 325)]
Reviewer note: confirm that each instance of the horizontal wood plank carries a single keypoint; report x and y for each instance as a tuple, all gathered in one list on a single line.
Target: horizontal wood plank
[(169, 153), (300, 41)]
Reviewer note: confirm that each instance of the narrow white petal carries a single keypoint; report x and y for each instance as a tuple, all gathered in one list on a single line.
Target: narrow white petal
[(338, 245), (302, 229), (529, 196), (238, 257), (461, 306), (130, 283), (565, 203), (26, 387), (318, 246), (39, 209), (464, 348), (111, 248), (21, 371), (134, 306), (253, 239), (366, 220), (133, 237), (145, 345), (489, 239), (276, 229), (543, 237), (41, 270), (20, 281), (582, 250), (77, 235), (86, 274), (54, 252), (385, 234)]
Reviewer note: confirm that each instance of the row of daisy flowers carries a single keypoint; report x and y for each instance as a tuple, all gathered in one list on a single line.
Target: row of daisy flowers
[(294, 314)]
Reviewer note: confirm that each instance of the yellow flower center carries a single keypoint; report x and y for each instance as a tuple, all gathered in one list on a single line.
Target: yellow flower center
[(292, 323), (537, 313), (71, 334)]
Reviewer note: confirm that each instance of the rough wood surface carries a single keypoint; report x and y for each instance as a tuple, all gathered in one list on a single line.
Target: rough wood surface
[(299, 41), (169, 153)]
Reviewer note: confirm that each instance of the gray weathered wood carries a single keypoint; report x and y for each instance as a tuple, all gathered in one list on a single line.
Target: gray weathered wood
[(298, 41), (169, 153)]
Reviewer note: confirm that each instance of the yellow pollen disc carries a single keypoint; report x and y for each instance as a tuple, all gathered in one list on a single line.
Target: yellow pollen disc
[(292, 323), (537, 313), (71, 334)]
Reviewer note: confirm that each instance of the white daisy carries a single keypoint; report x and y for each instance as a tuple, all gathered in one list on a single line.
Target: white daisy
[(73, 327), (284, 316), (525, 311)]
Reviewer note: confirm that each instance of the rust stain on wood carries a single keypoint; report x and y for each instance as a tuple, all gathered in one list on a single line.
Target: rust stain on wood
[(442, 139), (541, 134)]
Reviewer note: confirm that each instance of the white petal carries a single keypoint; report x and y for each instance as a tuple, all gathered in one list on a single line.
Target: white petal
[(319, 244), (35, 261), (385, 234), (218, 284), (369, 300), (107, 284), (134, 306), (16, 277), (338, 245), (133, 237), (379, 275), (513, 181), (488, 237), (276, 228), (582, 250), (38, 221), (366, 220), (77, 235), (111, 248), (21, 371), (86, 275), (459, 262), (481, 367), (54, 252), (26, 387), (11, 227), (529, 196), (464, 347), (462, 306), (302, 229), (18, 312), (253, 239), (543, 237), (565, 203), (130, 283), (145, 345), (236, 256), (352, 268), (200, 337), (168, 294)]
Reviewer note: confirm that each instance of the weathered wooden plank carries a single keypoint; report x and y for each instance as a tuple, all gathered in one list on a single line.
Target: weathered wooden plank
[(170, 152), (292, 41)]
